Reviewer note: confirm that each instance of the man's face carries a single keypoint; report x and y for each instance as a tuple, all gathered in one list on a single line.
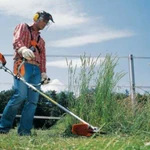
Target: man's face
[(41, 24)]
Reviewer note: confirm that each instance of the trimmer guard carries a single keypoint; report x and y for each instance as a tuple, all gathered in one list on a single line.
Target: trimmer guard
[(84, 129)]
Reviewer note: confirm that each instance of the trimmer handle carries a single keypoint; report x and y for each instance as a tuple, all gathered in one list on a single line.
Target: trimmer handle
[(42, 82)]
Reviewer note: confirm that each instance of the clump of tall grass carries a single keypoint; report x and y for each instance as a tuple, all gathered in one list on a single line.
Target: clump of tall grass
[(94, 85)]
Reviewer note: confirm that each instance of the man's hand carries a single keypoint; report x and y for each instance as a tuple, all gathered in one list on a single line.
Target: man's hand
[(26, 53), (44, 78)]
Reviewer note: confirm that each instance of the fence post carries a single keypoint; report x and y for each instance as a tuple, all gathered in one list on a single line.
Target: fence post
[(132, 79)]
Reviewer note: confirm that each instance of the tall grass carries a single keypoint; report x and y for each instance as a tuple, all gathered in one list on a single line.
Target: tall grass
[(94, 85)]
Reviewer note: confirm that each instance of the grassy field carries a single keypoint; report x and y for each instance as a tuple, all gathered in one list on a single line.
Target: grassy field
[(127, 129), (53, 140)]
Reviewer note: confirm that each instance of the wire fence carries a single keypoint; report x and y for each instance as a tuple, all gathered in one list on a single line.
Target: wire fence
[(40, 117), (136, 69)]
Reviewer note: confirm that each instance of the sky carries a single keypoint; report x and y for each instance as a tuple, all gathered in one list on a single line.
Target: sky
[(91, 27)]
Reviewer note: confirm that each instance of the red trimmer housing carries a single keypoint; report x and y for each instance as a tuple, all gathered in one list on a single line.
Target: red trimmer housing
[(83, 129), (2, 60)]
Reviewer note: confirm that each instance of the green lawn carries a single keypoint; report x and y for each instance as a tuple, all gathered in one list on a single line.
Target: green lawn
[(53, 140)]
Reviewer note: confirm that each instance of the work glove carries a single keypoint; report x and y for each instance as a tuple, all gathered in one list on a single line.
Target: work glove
[(44, 78), (26, 53)]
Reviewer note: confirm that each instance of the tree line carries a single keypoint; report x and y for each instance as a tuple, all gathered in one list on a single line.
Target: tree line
[(44, 107)]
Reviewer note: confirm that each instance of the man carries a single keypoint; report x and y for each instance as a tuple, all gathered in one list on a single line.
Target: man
[(28, 46)]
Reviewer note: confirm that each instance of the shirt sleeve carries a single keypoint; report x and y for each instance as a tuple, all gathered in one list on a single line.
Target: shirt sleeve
[(18, 36)]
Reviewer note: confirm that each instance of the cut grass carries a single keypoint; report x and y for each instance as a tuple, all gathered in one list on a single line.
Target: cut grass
[(52, 139)]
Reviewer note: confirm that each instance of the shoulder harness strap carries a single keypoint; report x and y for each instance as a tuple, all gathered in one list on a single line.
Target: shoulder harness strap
[(33, 42)]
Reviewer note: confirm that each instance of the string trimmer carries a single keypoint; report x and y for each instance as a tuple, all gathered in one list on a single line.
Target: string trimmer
[(83, 128)]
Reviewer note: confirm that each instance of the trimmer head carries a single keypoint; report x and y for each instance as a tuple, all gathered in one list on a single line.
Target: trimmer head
[(84, 129)]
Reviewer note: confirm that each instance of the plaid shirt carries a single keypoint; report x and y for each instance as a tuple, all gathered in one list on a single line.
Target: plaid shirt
[(22, 37)]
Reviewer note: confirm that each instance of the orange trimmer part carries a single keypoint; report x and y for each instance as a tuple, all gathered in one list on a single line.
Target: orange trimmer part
[(82, 129)]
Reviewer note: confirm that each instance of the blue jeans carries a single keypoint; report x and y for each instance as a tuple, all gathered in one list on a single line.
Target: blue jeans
[(22, 95)]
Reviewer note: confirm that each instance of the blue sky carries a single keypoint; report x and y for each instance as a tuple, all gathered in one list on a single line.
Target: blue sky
[(119, 27)]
